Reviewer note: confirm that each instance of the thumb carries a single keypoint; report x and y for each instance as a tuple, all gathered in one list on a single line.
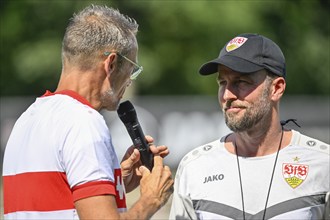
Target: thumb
[(133, 158), (127, 164)]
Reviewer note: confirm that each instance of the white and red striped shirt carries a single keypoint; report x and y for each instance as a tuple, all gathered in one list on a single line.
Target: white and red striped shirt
[(59, 151)]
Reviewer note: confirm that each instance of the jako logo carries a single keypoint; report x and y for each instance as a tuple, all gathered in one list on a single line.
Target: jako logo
[(212, 178)]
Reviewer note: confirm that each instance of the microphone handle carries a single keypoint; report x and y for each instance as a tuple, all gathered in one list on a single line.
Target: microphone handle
[(141, 144)]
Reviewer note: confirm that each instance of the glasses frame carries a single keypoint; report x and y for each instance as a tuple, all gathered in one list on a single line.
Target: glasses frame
[(136, 71)]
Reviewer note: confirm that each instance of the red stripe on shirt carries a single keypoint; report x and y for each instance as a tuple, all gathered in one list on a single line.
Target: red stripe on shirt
[(70, 93), (37, 191), (93, 189), (49, 191), (102, 188)]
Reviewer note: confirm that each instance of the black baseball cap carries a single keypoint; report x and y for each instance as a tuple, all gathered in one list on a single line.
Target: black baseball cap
[(247, 53)]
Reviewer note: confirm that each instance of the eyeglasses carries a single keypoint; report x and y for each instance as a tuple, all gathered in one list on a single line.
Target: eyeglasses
[(137, 69)]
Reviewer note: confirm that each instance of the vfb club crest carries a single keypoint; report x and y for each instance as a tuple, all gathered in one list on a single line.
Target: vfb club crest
[(294, 174), (235, 43)]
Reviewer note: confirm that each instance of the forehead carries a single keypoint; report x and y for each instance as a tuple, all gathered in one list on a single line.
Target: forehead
[(133, 52), (134, 44), (225, 72)]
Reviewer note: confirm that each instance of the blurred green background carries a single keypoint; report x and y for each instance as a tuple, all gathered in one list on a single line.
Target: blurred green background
[(175, 38)]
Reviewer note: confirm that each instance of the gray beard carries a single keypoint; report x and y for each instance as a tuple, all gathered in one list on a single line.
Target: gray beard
[(109, 100), (253, 114)]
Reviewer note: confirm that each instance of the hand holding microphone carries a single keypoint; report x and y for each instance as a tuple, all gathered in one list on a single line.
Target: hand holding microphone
[(156, 183), (128, 116)]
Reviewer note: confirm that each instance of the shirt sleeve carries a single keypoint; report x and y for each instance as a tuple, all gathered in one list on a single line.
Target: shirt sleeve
[(89, 159), (182, 206)]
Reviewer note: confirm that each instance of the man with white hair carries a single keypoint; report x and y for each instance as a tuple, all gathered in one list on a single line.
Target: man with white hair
[(59, 161)]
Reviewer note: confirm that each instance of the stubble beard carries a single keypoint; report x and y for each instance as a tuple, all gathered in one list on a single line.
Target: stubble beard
[(253, 114), (109, 100)]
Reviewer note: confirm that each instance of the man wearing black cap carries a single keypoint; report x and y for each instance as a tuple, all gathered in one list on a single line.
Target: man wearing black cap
[(262, 170)]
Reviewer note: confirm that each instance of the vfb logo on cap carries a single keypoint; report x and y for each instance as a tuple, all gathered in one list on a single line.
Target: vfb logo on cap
[(235, 43)]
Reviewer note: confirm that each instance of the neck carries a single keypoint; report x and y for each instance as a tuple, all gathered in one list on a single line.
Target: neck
[(83, 83), (259, 142), (254, 145), (272, 176)]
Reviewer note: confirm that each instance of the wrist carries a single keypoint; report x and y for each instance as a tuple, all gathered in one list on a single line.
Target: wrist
[(151, 203)]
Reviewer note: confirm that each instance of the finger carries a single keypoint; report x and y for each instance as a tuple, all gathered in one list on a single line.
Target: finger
[(161, 150), (137, 172), (153, 149), (169, 187), (164, 153), (167, 174), (149, 139), (133, 158), (144, 171), (156, 149), (128, 152), (167, 168), (158, 161), (168, 182)]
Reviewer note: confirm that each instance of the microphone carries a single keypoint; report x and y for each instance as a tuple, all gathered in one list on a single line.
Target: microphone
[(127, 115)]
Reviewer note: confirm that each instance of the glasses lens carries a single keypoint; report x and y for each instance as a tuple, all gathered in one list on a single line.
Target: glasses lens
[(136, 72)]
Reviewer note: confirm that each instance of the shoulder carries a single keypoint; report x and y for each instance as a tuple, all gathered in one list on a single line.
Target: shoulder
[(67, 115), (71, 109), (309, 143), (201, 151)]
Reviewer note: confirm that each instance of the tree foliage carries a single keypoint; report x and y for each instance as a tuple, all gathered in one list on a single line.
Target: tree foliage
[(175, 38)]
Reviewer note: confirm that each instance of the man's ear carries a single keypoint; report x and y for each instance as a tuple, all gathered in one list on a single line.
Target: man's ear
[(109, 63), (278, 86)]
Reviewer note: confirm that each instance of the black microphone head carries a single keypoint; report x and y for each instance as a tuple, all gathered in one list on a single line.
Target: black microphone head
[(126, 112)]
